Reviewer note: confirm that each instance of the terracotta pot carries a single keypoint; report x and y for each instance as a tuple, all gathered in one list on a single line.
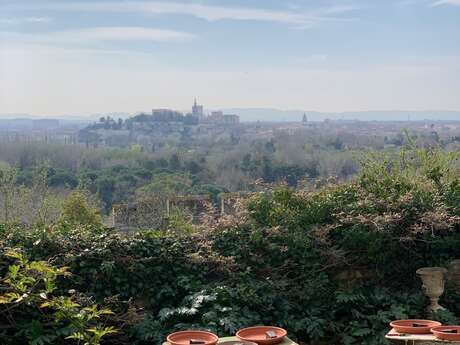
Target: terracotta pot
[(187, 338), (414, 326), (451, 333), (259, 335)]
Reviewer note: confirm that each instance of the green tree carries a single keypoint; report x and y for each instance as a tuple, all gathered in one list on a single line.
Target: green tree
[(78, 211), (8, 177), (105, 191), (174, 162), (166, 185)]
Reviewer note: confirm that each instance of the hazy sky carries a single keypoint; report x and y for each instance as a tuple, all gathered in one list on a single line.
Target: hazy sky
[(83, 57)]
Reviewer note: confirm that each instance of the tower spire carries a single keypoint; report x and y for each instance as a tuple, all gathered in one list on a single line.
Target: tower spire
[(304, 119)]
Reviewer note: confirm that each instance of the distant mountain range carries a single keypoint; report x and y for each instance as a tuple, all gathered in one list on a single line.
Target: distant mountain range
[(263, 114)]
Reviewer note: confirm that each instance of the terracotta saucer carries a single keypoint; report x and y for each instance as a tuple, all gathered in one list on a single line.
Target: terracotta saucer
[(451, 333), (261, 334), (192, 337), (414, 326)]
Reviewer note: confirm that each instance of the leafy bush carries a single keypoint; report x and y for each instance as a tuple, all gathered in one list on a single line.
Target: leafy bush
[(77, 211), (30, 309)]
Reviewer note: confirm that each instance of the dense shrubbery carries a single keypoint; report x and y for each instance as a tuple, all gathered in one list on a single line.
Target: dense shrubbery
[(335, 265)]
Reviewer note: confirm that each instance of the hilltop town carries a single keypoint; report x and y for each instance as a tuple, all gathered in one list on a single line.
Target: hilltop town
[(151, 131)]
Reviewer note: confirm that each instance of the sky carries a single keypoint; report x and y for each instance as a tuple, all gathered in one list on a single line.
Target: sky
[(82, 57)]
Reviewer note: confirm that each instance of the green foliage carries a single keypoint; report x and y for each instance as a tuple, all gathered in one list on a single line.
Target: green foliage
[(30, 307), (446, 317), (106, 190), (34, 203), (363, 316), (334, 265), (166, 185), (179, 222), (77, 211), (228, 162), (82, 320), (8, 177)]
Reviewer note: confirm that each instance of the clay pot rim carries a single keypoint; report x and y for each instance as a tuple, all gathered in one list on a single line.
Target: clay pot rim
[(282, 330), (429, 270), (400, 322), (405, 326), (437, 329), (214, 341), (446, 336)]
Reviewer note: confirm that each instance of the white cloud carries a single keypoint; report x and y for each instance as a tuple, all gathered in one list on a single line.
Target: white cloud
[(339, 9), (38, 19), (446, 2), (21, 20), (91, 36), (206, 12)]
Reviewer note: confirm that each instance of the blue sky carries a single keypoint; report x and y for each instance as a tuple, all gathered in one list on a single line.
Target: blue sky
[(82, 57)]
